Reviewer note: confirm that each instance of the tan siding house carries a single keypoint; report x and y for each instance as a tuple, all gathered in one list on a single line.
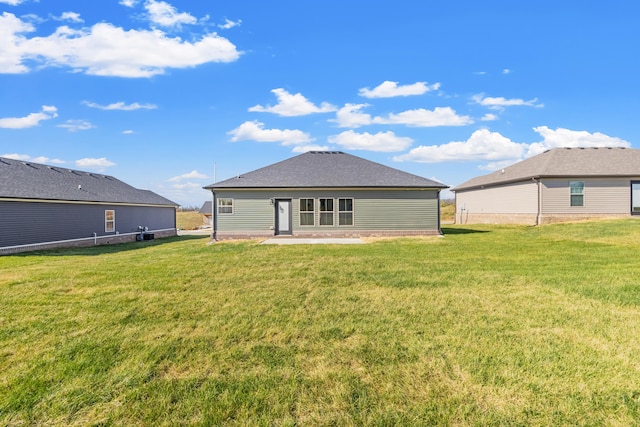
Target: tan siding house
[(325, 194), (562, 184)]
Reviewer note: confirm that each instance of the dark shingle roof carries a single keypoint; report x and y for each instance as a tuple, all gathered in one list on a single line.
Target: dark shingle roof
[(326, 169), (206, 208), (564, 162), (26, 180)]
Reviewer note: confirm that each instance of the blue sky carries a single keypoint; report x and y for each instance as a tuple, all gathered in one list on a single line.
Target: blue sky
[(161, 94)]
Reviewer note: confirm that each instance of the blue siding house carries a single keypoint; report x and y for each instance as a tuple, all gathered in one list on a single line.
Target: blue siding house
[(45, 206)]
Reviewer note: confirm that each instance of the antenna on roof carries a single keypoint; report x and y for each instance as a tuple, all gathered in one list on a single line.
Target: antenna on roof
[(214, 172)]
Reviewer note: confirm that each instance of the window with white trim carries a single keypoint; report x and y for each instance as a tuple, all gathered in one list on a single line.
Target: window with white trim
[(577, 193), (109, 221), (307, 212), (326, 211), (225, 206), (345, 211)]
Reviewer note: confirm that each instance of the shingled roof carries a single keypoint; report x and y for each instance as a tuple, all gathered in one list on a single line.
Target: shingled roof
[(564, 162), (26, 180), (326, 169)]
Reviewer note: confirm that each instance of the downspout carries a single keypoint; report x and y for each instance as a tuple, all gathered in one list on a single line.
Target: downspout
[(455, 208), (539, 213), (214, 217), (439, 221)]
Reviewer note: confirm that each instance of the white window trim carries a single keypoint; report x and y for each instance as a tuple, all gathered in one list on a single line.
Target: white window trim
[(109, 221), (333, 212), (225, 206), (576, 194), (352, 212), (312, 212)]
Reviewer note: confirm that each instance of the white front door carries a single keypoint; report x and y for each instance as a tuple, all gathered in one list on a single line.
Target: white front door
[(283, 217)]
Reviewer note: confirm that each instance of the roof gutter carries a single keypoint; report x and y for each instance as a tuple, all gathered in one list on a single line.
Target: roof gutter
[(84, 202)]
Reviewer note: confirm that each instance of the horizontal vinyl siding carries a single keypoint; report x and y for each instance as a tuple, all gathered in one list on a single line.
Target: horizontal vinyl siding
[(601, 196), (23, 223), (517, 198), (372, 210), (408, 210), (252, 212)]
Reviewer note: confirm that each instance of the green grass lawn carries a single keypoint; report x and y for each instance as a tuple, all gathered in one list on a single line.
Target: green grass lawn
[(490, 325)]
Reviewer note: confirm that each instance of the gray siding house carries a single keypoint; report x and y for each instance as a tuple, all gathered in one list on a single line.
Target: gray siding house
[(562, 184), (325, 194), (47, 206)]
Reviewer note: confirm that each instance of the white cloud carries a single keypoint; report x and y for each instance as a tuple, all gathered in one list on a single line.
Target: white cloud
[(187, 186), (230, 24), (31, 120), (121, 106), (99, 164), (506, 71), (16, 156), (498, 103), (106, 50), (194, 174), (570, 138), (12, 2), (127, 132), (350, 116), (76, 125), (254, 131), (381, 141), (494, 166), (163, 14), (440, 116), (10, 50), (306, 148), (388, 89), (69, 16), (500, 151), (292, 105), (128, 3), (28, 158), (489, 117), (481, 145)]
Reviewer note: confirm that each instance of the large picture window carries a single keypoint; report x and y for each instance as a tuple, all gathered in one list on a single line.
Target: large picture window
[(577, 193), (326, 211), (345, 211), (109, 221), (307, 212), (225, 206)]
